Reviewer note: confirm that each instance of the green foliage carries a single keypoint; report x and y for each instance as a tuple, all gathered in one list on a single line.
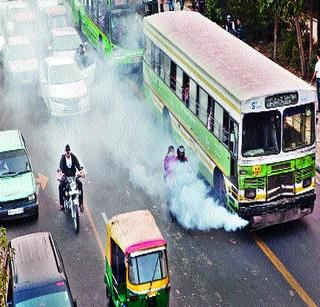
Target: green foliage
[(4, 254), (214, 12)]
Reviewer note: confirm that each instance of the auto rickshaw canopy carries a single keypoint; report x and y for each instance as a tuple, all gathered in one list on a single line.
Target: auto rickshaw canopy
[(135, 231)]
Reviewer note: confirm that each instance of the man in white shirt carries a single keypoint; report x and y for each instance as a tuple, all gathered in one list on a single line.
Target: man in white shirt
[(316, 76)]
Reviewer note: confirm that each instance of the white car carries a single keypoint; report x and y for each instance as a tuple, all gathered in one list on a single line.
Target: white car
[(20, 61), (55, 17), (64, 41), (63, 86), (13, 8)]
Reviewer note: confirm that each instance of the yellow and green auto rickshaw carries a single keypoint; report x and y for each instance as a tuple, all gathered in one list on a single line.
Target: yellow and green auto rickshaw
[(136, 261)]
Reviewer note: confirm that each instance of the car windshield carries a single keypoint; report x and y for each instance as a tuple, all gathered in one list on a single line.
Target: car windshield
[(57, 21), (48, 296), (298, 127), (148, 267), (66, 42), (14, 162), (261, 133), (21, 52), (62, 74), (126, 29)]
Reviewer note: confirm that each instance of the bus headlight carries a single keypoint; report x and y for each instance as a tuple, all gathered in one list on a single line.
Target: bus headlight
[(306, 182), (250, 193)]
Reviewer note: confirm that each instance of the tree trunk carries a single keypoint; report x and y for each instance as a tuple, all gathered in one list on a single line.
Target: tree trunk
[(275, 36), (311, 31), (318, 24), (300, 45)]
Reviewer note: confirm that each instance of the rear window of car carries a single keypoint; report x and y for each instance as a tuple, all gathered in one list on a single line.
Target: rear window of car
[(56, 294)]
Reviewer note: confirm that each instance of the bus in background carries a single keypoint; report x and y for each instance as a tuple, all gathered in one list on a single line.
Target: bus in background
[(114, 27), (250, 121)]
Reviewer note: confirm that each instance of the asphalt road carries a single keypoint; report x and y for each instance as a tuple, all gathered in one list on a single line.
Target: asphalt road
[(277, 266), (213, 268)]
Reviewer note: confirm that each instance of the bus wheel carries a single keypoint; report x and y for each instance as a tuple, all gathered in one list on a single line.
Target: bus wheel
[(80, 23), (166, 120), (219, 187)]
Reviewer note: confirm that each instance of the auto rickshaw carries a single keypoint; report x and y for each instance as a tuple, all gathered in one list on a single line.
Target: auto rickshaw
[(136, 261)]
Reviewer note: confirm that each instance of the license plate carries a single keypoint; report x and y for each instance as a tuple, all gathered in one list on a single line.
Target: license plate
[(15, 211)]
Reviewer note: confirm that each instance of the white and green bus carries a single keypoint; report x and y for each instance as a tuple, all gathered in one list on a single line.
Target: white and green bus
[(250, 121)]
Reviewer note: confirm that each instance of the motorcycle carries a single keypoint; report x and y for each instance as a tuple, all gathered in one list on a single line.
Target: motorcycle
[(71, 200)]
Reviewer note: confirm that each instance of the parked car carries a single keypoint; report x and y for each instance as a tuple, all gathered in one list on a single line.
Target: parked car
[(44, 4), (20, 61), (37, 276), (18, 197), (63, 86), (64, 41)]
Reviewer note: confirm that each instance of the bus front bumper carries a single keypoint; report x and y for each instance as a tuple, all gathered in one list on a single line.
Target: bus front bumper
[(278, 211)]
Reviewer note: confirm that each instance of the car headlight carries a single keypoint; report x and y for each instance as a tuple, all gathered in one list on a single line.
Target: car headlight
[(250, 193), (57, 100), (306, 182), (32, 197)]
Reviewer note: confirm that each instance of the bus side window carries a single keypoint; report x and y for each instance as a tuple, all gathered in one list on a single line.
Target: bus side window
[(226, 128), (203, 105), (179, 82), (157, 60), (233, 142), (218, 121), (162, 64), (193, 97), (147, 52), (210, 113), (186, 89), (153, 56), (173, 75), (166, 69)]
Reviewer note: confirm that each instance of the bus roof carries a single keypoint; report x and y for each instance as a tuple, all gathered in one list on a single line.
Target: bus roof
[(135, 231), (238, 68)]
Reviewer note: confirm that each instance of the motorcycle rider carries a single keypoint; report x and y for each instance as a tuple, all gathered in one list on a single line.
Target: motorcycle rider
[(69, 164), (81, 56)]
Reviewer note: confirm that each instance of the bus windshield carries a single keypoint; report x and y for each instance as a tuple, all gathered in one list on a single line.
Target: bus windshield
[(261, 133), (126, 29), (298, 127), (148, 267)]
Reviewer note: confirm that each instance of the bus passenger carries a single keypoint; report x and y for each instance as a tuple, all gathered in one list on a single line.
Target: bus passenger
[(185, 94), (270, 134)]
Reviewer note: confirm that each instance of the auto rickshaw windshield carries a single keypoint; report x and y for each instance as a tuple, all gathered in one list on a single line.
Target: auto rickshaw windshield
[(148, 267)]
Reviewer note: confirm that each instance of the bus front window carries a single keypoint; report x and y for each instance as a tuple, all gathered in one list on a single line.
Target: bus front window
[(261, 133), (298, 127)]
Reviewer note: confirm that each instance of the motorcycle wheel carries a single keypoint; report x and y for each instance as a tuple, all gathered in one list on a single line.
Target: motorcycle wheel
[(65, 208), (76, 220)]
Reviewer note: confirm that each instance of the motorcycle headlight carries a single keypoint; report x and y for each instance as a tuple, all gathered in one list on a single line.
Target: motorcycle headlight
[(250, 193), (32, 197), (66, 193)]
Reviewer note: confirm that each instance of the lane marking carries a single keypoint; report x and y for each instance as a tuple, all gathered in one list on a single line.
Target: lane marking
[(94, 228), (104, 216), (285, 273)]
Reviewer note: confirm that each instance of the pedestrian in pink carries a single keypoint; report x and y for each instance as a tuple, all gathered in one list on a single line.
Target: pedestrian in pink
[(169, 162)]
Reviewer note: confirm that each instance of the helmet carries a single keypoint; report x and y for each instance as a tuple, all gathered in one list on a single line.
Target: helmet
[(228, 16), (181, 152)]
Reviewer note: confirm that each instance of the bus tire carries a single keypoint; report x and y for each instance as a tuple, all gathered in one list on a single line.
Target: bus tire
[(80, 23), (166, 121), (219, 187)]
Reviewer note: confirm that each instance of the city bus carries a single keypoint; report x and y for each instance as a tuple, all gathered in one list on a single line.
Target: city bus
[(250, 122), (114, 27)]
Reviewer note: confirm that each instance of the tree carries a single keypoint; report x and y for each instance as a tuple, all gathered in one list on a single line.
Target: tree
[(4, 257)]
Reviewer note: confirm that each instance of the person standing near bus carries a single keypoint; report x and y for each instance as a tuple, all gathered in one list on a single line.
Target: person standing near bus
[(201, 6), (240, 29), (171, 5), (316, 76)]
